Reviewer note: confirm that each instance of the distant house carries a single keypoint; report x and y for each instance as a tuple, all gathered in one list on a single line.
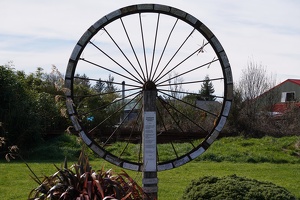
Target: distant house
[(283, 96), (289, 90), (130, 110)]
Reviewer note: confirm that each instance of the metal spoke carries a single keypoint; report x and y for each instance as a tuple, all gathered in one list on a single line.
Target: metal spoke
[(162, 120), (97, 65), (106, 105), (122, 107), (144, 48), (189, 93), (123, 53), (108, 82), (192, 121), (104, 93), (123, 120), (173, 147), (154, 45), (185, 59), (165, 46), (114, 59), (163, 103), (189, 82), (159, 76), (189, 71), (131, 132), (129, 40), (189, 104)]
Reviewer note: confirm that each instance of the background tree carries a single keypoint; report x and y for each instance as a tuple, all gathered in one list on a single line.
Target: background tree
[(17, 112), (28, 106), (248, 109), (45, 89), (94, 97), (175, 85), (207, 90), (255, 81), (235, 123), (99, 86)]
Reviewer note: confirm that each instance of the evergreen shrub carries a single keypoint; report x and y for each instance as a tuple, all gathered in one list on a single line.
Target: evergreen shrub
[(234, 187)]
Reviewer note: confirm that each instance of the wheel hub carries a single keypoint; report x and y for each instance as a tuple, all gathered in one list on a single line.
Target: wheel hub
[(149, 85)]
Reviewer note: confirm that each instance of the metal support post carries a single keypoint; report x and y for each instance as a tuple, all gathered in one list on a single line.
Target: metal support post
[(150, 179)]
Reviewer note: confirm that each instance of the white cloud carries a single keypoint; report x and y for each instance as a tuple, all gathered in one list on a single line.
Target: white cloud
[(36, 33)]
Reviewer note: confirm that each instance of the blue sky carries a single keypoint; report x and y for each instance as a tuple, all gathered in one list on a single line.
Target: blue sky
[(35, 33)]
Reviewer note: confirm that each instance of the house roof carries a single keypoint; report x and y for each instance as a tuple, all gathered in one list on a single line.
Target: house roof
[(295, 81), (283, 106)]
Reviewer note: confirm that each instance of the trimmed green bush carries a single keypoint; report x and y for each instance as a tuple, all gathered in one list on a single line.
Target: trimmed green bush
[(234, 187)]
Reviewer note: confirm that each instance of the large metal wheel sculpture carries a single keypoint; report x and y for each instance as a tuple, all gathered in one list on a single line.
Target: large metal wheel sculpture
[(148, 48)]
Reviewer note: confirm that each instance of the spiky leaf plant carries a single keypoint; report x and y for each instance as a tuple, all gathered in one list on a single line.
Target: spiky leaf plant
[(80, 182)]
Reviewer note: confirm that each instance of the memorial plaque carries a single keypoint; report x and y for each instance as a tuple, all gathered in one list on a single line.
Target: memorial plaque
[(149, 141)]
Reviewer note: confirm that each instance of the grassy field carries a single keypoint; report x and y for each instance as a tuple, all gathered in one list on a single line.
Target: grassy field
[(269, 159), (16, 184)]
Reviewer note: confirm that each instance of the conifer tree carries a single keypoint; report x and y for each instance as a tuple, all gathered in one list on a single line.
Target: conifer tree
[(207, 90)]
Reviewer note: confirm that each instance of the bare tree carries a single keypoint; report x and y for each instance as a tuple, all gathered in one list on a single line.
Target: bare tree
[(255, 81), (175, 85), (253, 84)]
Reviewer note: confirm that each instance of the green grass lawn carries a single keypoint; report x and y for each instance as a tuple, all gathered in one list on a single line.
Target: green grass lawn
[(275, 160), (172, 183), (15, 182)]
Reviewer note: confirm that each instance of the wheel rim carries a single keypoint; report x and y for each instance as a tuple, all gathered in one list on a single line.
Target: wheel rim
[(153, 47)]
